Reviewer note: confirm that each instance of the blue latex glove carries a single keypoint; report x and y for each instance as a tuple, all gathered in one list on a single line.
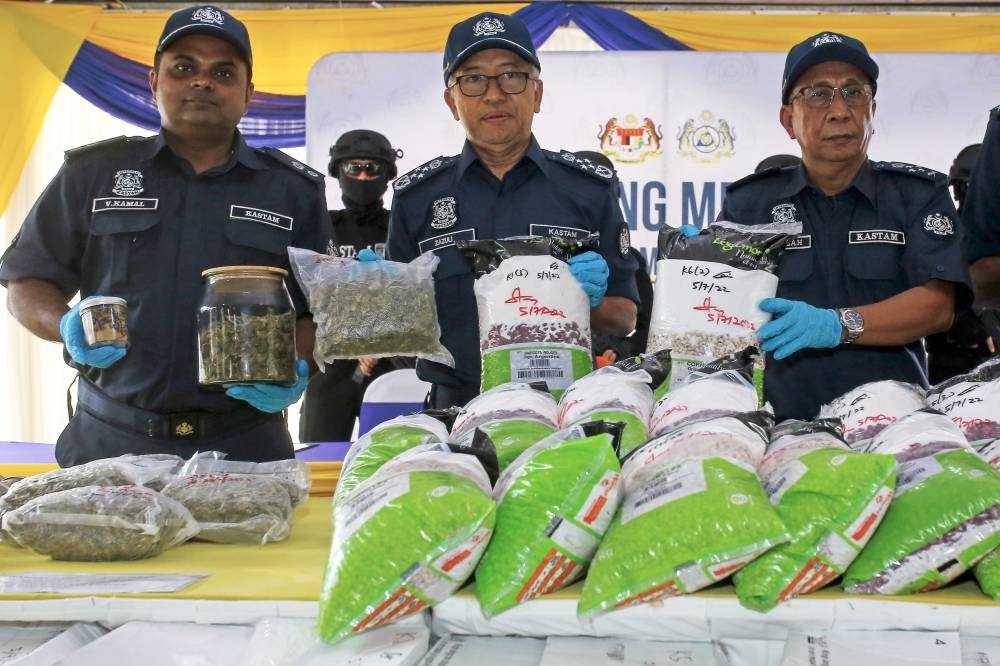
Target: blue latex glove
[(368, 254), (797, 325), (71, 330), (591, 271), (272, 398), (689, 230)]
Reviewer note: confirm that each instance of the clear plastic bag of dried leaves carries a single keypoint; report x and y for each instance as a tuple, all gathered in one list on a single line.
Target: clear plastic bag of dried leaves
[(371, 308), (235, 508), (152, 470), (292, 474), (100, 523)]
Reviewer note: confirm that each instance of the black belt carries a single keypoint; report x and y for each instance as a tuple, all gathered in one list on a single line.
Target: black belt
[(177, 425)]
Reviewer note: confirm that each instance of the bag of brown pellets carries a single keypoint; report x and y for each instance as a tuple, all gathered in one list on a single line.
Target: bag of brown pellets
[(371, 308), (100, 523), (534, 318)]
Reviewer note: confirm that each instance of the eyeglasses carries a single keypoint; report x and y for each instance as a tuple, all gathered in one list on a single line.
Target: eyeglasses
[(821, 97), (354, 169), (474, 85)]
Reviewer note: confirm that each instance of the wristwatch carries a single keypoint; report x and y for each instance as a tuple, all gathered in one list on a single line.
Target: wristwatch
[(853, 323)]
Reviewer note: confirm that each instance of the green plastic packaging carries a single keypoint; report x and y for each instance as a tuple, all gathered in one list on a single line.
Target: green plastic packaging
[(830, 499), (987, 572), (555, 503), (611, 394), (405, 539)]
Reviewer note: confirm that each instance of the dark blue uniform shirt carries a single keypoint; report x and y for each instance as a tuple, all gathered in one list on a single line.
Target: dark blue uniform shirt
[(894, 228), (128, 218), (981, 212), (452, 198)]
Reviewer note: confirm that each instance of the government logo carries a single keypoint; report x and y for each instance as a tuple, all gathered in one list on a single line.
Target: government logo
[(827, 38), (488, 27), (443, 213), (630, 140), (938, 224), (128, 183), (783, 214), (207, 15), (706, 140)]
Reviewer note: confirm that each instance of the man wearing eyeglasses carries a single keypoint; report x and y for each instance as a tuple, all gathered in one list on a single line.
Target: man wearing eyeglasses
[(363, 162), (878, 263), (502, 185)]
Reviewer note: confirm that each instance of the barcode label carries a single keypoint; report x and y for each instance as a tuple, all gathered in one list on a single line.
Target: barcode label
[(686, 479), (555, 366)]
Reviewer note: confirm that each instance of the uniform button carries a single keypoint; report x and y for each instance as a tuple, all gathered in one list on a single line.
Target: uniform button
[(940, 269)]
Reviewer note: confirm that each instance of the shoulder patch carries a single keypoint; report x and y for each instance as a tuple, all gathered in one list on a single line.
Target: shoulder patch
[(106, 143), (422, 173), (304, 170), (912, 170), (754, 177), (584, 164)]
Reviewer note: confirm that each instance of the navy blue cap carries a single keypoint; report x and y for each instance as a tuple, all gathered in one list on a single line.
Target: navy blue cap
[(488, 30), (206, 20), (826, 47)]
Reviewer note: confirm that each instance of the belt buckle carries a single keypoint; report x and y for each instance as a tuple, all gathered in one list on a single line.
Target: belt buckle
[(185, 426)]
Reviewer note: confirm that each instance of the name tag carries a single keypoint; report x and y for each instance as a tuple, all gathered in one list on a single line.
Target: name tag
[(800, 242), (123, 203), (262, 216), (557, 232), (436, 243), (877, 236)]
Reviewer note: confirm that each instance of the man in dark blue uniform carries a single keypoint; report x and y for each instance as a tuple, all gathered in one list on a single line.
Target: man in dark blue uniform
[(878, 264), (501, 185), (141, 218), (981, 215)]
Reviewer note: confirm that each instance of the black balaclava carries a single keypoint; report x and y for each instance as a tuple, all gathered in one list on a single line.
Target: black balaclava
[(360, 195)]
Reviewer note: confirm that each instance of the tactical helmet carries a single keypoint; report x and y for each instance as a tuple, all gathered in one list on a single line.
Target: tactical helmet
[(364, 143)]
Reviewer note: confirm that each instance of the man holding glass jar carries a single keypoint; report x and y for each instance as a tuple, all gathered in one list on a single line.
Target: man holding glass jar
[(503, 185), (878, 263), (140, 218)]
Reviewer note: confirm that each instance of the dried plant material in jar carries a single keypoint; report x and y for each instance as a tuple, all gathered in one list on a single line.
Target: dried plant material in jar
[(371, 308), (105, 321), (235, 508), (100, 524)]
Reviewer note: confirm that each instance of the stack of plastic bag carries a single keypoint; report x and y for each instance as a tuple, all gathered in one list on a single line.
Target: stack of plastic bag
[(867, 409), (972, 401), (611, 394)]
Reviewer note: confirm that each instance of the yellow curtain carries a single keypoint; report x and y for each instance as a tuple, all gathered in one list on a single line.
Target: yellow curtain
[(37, 44), (287, 42), (902, 33)]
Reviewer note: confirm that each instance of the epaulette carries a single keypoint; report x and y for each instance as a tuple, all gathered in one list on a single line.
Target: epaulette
[(754, 177), (912, 170), (422, 173), (106, 143), (298, 167), (584, 164)]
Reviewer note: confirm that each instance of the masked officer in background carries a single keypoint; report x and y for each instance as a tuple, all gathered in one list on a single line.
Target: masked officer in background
[(982, 218), (878, 264), (502, 185), (140, 219), (363, 162)]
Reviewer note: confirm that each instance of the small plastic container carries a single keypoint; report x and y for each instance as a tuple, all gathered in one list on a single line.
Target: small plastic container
[(105, 321), (246, 327)]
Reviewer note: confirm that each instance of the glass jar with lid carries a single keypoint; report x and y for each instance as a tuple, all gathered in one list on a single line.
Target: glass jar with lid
[(246, 327)]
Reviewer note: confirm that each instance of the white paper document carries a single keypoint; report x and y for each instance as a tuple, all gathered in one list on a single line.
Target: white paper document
[(873, 648), (49, 583)]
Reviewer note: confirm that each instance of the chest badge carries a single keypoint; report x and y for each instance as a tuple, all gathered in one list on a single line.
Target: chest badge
[(443, 213), (128, 183), (938, 224), (783, 214)]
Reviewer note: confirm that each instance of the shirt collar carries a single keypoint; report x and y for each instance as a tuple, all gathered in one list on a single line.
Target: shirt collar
[(470, 157), (864, 182), (242, 153), (796, 182)]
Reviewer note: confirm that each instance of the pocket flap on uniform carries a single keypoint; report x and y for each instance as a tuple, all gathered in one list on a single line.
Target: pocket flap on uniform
[(124, 221)]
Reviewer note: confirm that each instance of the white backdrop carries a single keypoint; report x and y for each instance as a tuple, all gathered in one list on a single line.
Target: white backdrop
[(716, 114)]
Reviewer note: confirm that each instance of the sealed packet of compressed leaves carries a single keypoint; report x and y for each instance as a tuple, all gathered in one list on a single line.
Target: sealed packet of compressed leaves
[(405, 539), (972, 401), (384, 442), (611, 394), (708, 288), (235, 508), (830, 499), (292, 474), (693, 499), (514, 415), (534, 317), (100, 523), (151, 470), (866, 410), (721, 386), (945, 515), (371, 308), (554, 504)]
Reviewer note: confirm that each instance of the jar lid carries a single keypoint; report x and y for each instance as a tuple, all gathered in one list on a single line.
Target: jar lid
[(219, 270), (91, 301)]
